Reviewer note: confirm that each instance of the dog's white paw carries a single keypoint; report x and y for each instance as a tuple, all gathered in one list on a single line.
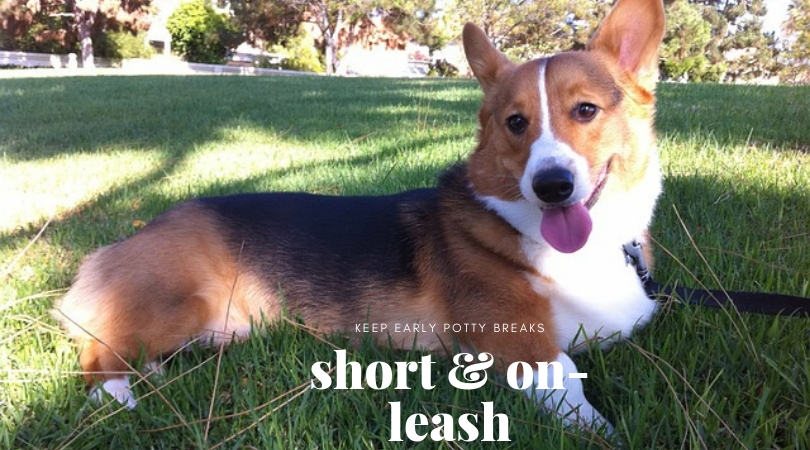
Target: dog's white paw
[(119, 389), (568, 400), (586, 416), (154, 370), (575, 410)]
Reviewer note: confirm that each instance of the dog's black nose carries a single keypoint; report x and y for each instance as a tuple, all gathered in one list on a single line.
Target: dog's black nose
[(553, 185)]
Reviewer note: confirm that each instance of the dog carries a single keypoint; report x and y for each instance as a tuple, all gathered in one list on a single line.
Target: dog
[(528, 230)]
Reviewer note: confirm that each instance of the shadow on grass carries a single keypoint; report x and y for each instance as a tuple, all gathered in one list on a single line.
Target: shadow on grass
[(47, 117), (110, 217), (754, 237), (177, 115)]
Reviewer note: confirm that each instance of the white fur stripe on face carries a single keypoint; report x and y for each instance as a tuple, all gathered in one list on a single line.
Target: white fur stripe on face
[(545, 115), (548, 151)]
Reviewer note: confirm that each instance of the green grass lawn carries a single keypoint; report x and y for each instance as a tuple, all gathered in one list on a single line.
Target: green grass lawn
[(87, 161)]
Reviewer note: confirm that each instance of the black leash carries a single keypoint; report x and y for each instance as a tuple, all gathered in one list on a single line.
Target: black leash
[(753, 302)]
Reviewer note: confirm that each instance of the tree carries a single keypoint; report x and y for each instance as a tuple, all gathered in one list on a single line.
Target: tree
[(93, 17), (750, 52), (64, 26), (797, 70), (271, 21), (738, 41), (338, 23), (683, 55), (34, 27), (424, 21), (201, 34), (333, 18), (525, 28), (299, 54)]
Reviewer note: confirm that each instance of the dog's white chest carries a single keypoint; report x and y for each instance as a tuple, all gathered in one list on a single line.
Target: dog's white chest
[(594, 295)]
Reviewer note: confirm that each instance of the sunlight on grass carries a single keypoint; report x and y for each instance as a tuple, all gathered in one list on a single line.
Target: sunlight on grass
[(109, 154), (32, 191)]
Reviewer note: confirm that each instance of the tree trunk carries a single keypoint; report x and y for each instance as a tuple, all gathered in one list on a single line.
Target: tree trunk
[(85, 39), (329, 53)]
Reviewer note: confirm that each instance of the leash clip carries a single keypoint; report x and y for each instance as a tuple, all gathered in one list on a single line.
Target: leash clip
[(634, 256)]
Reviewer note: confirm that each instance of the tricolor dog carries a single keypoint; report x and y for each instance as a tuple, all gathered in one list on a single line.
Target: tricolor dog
[(529, 230)]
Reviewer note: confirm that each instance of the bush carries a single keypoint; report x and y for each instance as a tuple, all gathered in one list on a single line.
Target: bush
[(122, 45), (41, 38), (199, 34), (442, 68), (300, 54)]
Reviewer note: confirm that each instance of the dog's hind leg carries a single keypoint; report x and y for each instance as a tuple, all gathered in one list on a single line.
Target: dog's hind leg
[(176, 281), (150, 295), (106, 353)]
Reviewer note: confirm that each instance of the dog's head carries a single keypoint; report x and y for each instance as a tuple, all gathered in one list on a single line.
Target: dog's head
[(559, 135)]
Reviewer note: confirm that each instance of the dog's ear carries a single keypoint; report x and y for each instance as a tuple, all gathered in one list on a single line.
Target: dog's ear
[(485, 60), (631, 34)]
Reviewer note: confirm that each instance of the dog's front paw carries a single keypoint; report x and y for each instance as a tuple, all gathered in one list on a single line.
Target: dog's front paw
[(118, 388), (586, 416), (566, 398)]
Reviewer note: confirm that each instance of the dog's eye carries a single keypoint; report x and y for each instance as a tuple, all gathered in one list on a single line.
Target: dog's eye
[(585, 112), (517, 124)]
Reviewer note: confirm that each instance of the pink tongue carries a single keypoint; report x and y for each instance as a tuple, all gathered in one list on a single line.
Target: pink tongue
[(566, 229)]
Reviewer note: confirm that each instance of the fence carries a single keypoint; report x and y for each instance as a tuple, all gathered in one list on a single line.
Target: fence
[(25, 59), (155, 66)]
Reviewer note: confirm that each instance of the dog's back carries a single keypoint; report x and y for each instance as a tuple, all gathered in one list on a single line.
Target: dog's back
[(528, 231)]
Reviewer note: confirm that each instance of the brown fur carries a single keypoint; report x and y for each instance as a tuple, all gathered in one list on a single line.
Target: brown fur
[(179, 279), (157, 290)]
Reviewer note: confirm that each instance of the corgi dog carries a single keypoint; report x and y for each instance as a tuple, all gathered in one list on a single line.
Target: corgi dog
[(529, 230)]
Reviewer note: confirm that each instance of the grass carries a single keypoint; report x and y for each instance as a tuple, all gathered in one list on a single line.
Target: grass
[(87, 161)]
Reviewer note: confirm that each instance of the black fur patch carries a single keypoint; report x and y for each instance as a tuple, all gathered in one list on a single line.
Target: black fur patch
[(329, 248)]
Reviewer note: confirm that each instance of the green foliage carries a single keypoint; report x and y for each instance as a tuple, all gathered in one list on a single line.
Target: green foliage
[(40, 37), (267, 20), (524, 29), (122, 45), (299, 53), (797, 70), (32, 28), (200, 34), (442, 68), (53, 26), (683, 50), (424, 21), (738, 42), (751, 53), (717, 40)]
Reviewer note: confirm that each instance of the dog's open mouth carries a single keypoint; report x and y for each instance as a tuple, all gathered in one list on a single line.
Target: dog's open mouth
[(600, 183), (567, 228)]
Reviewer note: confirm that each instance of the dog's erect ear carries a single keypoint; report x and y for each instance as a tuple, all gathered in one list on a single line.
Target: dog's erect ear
[(485, 60), (631, 33)]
